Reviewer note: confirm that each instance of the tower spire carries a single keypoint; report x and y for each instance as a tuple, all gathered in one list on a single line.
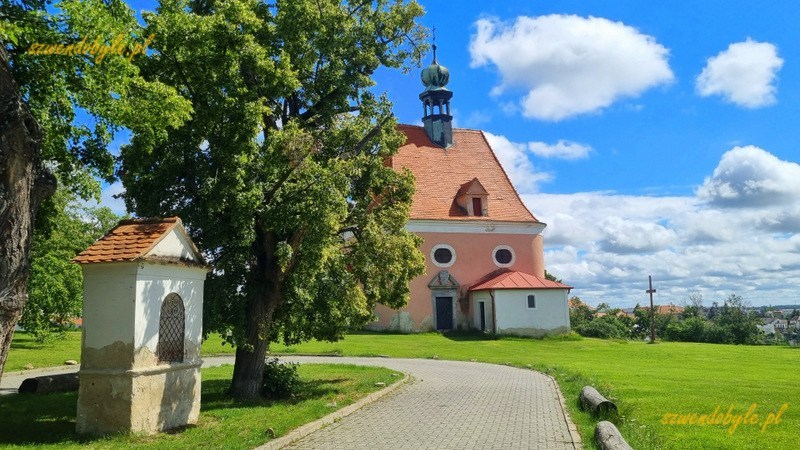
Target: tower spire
[(436, 101), (434, 45)]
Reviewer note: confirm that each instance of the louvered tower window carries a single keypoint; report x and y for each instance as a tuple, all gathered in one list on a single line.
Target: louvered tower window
[(171, 326)]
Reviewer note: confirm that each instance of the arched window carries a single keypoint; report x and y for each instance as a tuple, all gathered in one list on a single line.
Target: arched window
[(171, 326)]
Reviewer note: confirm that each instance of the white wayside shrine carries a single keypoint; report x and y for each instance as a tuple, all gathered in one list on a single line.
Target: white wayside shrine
[(142, 329)]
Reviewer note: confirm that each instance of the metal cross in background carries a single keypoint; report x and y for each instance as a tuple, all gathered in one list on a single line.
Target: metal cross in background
[(651, 291)]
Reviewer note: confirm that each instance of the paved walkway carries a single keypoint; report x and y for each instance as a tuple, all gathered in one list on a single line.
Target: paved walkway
[(452, 405), (447, 405)]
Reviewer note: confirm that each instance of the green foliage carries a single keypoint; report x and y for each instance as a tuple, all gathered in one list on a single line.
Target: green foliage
[(606, 327), (739, 323), (280, 173), (55, 287), (57, 88), (551, 277), (579, 312), (280, 380)]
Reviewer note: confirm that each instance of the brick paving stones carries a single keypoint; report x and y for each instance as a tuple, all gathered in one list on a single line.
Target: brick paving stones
[(452, 405)]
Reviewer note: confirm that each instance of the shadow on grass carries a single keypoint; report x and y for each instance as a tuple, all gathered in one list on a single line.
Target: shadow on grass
[(41, 419), (215, 394), (465, 336)]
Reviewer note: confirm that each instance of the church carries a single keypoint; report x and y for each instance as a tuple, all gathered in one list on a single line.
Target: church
[(483, 247)]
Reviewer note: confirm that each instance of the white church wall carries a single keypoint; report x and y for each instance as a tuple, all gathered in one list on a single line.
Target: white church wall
[(550, 316)]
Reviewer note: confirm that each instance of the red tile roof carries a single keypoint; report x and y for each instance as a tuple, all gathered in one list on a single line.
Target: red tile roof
[(440, 174), (511, 279), (130, 240)]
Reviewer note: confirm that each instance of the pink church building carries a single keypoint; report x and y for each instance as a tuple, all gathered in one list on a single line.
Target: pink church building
[(483, 247)]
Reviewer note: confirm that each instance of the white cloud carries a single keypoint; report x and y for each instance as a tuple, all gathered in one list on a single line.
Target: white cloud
[(625, 236), (606, 244), (744, 74), (117, 205), (569, 65), (751, 176), (561, 150), (514, 159)]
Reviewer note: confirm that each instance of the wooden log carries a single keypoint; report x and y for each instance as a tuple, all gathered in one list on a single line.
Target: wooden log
[(50, 383), (596, 403), (608, 437)]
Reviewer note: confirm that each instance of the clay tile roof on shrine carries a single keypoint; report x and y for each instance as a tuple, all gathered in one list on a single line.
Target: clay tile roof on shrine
[(130, 240), (442, 174)]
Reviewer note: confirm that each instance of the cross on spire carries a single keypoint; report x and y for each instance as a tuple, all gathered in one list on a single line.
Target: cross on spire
[(434, 44)]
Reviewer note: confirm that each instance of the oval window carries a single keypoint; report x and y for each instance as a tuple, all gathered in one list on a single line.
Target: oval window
[(503, 256), (443, 255)]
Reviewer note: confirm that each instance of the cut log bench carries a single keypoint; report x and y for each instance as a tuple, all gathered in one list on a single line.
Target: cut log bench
[(66, 382), (597, 404), (608, 437)]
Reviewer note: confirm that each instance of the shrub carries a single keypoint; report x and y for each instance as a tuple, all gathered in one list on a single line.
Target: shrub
[(280, 380), (604, 327), (692, 329)]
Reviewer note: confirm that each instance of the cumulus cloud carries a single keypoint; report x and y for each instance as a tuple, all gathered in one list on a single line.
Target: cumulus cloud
[(751, 176), (561, 150), (569, 65), (744, 74), (514, 159), (625, 236), (739, 233)]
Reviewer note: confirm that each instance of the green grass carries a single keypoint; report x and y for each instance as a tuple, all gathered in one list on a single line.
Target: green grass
[(646, 381), (25, 350), (48, 421)]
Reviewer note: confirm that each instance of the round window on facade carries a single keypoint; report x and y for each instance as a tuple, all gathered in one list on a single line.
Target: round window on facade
[(443, 255), (503, 256)]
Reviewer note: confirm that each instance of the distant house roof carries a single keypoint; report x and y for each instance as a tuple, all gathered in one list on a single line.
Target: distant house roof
[(669, 309), (134, 239), (442, 174), (511, 279)]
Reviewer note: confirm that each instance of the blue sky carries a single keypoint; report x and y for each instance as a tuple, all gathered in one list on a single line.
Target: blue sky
[(652, 137)]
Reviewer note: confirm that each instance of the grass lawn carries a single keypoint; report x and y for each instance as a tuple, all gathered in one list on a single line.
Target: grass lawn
[(646, 381), (48, 421), (25, 350)]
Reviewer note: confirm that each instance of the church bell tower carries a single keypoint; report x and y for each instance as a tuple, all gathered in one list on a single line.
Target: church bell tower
[(436, 103)]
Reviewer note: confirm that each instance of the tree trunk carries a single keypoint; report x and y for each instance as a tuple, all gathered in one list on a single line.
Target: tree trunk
[(266, 281), (608, 437), (248, 369), (596, 403), (24, 184)]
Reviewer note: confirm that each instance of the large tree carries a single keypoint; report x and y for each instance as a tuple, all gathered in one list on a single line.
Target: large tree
[(281, 174), (58, 113)]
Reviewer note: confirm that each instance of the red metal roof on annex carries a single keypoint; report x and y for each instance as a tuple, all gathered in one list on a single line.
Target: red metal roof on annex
[(440, 174), (131, 239), (512, 279)]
